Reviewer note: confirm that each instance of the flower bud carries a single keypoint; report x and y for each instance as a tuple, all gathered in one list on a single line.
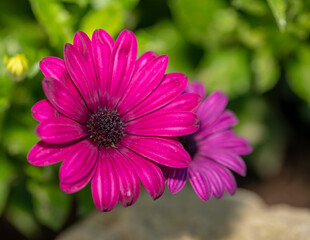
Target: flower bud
[(16, 67)]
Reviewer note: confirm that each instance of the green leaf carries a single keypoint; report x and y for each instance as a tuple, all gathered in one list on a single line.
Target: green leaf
[(51, 205), (266, 70), (6, 176), (253, 7), (195, 16), (226, 70), (278, 8), (18, 140), (55, 19), (124, 4), (110, 19), (164, 38), (299, 72)]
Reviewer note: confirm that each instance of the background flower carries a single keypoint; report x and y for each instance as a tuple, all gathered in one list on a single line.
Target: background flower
[(214, 150)]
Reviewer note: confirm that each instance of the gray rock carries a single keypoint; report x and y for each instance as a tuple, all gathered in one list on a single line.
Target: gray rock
[(185, 217)]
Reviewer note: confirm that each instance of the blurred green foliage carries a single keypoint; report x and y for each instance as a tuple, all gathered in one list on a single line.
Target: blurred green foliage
[(242, 47)]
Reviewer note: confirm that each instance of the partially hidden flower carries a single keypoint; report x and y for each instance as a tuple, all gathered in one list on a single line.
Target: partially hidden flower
[(214, 149), (112, 118), (16, 67)]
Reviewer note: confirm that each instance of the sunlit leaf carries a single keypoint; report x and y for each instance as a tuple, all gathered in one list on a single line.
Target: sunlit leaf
[(164, 38), (226, 70), (124, 4), (299, 73), (266, 70), (254, 7), (195, 16), (110, 19), (278, 8), (50, 203), (56, 21)]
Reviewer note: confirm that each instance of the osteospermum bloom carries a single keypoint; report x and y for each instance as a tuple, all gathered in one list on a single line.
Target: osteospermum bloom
[(112, 118), (214, 149)]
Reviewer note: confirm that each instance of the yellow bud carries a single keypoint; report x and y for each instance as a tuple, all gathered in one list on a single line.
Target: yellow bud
[(16, 66)]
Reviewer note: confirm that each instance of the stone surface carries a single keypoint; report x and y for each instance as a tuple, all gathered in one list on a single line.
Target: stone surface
[(185, 217)]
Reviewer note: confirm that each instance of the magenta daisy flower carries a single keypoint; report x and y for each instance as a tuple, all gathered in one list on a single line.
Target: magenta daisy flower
[(112, 118), (214, 150)]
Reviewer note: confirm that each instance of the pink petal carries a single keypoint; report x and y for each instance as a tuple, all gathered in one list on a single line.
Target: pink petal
[(143, 83), (171, 86), (43, 110), (105, 185), (226, 158), (55, 67), (83, 44), (81, 73), (226, 120), (149, 174), (102, 44), (196, 87), (210, 109), (143, 60), (199, 183), (42, 153), (187, 102), (176, 179), (64, 101), (129, 182), (167, 124), (218, 176), (79, 162), (60, 130), (122, 65), (227, 140), (165, 151), (77, 186)]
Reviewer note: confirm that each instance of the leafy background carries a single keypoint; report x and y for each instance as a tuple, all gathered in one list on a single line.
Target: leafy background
[(258, 52)]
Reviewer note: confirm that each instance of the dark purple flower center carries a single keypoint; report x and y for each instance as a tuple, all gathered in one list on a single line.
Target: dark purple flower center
[(190, 145), (105, 128)]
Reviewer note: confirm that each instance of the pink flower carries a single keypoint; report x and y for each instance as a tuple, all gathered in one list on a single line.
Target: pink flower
[(214, 150), (112, 118)]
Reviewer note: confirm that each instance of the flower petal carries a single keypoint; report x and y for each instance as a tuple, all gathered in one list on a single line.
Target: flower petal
[(171, 86), (199, 183), (143, 60), (176, 179), (210, 109), (167, 124), (43, 110), (165, 151), (64, 101), (196, 87), (226, 158), (227, 140), (122, 65), (60, 130), (83, 44), (80, 184), (55, 67), (187, 102), (149, 174), (102, 44), (143, 83), (129, 183), (105, 185), (79, 163), (226, 120), (81, 75), (42, 153)]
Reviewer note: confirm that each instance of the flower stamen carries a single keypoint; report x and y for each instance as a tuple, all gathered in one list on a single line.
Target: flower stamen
[(105, 128)]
